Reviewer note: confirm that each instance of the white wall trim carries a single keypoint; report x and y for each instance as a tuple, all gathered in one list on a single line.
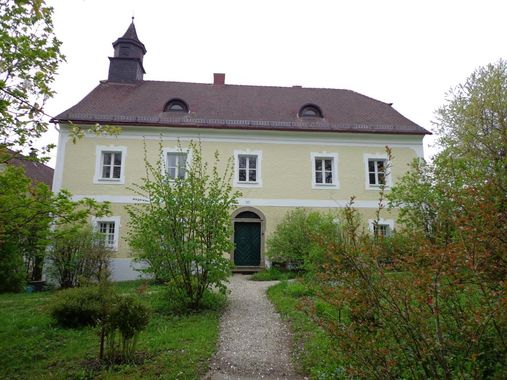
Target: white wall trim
[(266, 202), (388, 177), (97, 178), (117, 226), (248, 152), (334, 168), (63, 138), (414, 142)]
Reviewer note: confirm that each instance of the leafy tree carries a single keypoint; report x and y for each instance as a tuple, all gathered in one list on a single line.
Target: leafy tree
[(29, 58), (441, 313), (473, 123), (26, 213), (184, 230)]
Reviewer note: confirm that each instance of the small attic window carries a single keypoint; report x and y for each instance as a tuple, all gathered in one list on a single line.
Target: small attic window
[(176, 105), (310, 110)]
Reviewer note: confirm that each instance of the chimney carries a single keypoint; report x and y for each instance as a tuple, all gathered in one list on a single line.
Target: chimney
[(218, 78)]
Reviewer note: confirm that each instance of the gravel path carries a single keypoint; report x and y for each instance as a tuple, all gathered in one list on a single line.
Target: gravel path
[(254, 341)]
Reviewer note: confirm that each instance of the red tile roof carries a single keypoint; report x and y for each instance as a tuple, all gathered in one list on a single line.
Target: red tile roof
[(237, 107), (36, 171)]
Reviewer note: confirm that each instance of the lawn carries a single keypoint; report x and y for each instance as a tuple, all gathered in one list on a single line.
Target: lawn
[(33, 347), (311, 345)]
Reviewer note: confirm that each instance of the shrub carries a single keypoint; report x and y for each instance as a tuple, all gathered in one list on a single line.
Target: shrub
[(79, 306), (127, 318), (119, 318), (421, 321), (78, 255), (297, 238), (183, 232)]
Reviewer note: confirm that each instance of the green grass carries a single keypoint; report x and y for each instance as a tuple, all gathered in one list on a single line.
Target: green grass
[(311, 345), (272, 274), (33, 347)]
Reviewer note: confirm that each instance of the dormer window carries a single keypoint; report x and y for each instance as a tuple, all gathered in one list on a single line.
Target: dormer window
[(176, 105), (310, 110)]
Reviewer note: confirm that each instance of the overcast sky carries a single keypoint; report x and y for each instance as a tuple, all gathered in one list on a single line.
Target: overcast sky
[(406, 52)]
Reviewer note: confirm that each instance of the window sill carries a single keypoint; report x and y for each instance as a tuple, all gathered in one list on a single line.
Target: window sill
[(325, 186), (377, 188), (109, 181), (247, 184)]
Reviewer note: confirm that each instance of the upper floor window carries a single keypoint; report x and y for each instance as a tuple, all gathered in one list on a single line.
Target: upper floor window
[(177, 161), (110, 164), (177, 165), (376, 171), (248, 169), (310, 110), (176, 105), (324, 170)]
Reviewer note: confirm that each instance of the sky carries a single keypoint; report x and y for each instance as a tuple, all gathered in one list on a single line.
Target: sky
[(409, 52)]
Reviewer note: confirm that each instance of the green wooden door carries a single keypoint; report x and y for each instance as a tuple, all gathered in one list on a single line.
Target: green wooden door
[(247, 239)]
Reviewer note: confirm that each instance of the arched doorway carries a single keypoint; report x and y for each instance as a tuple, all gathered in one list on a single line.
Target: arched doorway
[(249, 225)]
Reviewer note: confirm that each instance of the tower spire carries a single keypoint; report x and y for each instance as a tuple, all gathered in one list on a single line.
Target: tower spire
[(127, 63)]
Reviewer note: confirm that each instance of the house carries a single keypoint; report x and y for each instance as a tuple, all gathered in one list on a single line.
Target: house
[(36, 171), (292, 147)]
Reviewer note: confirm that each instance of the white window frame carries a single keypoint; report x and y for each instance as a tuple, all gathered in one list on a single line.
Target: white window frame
[(99, 154), (334, 167), (117, 226), (381, 222), (388, 175), (178, 150), (248, 152)]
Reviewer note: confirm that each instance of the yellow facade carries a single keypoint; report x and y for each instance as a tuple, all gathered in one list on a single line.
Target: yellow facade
[(285, 160)]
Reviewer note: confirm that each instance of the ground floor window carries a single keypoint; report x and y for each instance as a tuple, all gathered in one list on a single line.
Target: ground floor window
[(110, 228), (382, 227)]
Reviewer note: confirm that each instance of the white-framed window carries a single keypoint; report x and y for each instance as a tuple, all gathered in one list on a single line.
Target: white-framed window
[(110, 164), (110, 228), (324, 170), (376, 171), (177, 162), (247, 168), (383, 227)]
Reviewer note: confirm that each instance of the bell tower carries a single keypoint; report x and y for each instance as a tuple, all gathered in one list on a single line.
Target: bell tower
[(126, 66)]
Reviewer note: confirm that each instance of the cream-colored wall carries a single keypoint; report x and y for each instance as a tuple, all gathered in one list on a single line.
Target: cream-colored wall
[(274, 215), (286, 166)]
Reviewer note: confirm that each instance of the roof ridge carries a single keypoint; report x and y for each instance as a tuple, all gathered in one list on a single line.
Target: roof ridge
[(254, 85)]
